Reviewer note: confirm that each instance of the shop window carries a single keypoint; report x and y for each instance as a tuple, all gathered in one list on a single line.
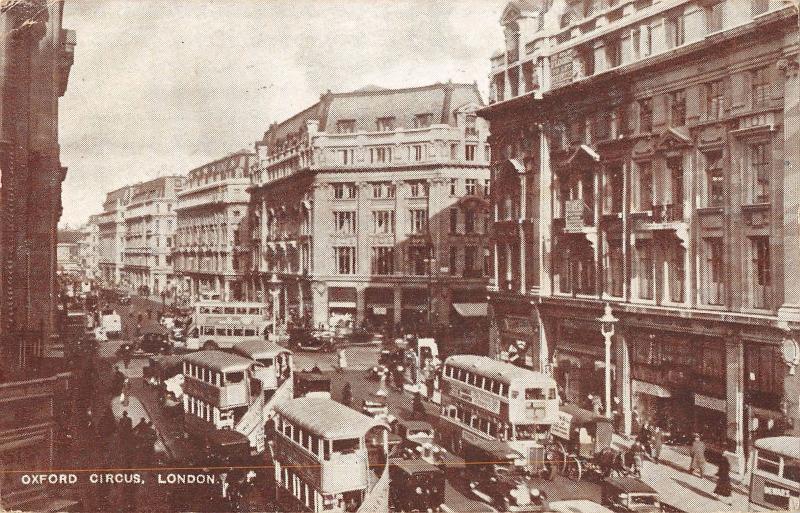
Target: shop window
[(345, 259), (645, 268), (677, 105), (758, 169), (712, 363), (614, 268), (345, 222), (764, 372), (418, 220), (644, 186), (714, 180), (382, 260), (713, 271), (715, 100), (760, 272), (646, 115)]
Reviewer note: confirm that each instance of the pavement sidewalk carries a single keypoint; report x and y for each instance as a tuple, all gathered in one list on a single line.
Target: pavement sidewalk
[(682, 490), (137, 411)]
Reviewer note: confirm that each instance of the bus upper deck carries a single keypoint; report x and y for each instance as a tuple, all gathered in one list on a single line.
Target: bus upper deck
[(775, 476)]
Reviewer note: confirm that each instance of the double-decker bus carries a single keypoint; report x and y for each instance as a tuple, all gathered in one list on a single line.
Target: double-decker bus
[(486, 400), (222, 392), (322, 458), (218, 325), (775, 476)]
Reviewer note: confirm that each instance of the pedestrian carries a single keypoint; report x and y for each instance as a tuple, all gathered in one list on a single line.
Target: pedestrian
[(123, 396), (723, 488), (638, 458), (644, 438), (658, 443), (698, 454), (126, 355), (117, 381), (347, 394), (125, 427), (342, 360), (418, 409)]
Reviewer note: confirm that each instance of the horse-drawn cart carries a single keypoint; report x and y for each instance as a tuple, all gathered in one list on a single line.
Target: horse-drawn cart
[(581, 444)]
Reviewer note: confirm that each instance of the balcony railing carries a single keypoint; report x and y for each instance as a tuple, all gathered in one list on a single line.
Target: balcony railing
[(669, 213)]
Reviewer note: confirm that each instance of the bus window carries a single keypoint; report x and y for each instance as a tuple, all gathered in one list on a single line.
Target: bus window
[(230, 310), (346, 446), (768, 462), (503, 390), (238, 332), (495, 387), (471, 378), (551, 393), (254, 310), (791, 470), (234, 377), (249, 332), (241, 310), (534, 394), (205, 310), (326, 449), (216, 310), (208, 330)]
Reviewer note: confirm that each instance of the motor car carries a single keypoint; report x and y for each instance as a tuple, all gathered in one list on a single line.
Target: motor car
[(311, 340), (416, 486), (628, 494), (154, 343)]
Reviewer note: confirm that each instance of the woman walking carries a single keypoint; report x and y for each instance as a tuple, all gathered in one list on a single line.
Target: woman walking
[(723, 488)]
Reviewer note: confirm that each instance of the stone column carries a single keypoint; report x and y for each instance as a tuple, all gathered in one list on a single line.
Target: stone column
[(545, 213), (734, 393), (227, 288), (301, 300), (790, 310), (360, 305), (320, 301), (622, 362)]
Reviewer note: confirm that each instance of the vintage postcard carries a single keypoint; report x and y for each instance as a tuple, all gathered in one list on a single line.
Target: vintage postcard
[(455, 256)]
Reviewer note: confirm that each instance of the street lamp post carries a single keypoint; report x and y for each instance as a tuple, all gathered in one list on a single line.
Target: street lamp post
[(607, 322), (430, 261), (275, 283)]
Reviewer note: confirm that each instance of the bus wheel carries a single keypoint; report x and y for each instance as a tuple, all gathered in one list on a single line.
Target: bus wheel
[(210, 345)]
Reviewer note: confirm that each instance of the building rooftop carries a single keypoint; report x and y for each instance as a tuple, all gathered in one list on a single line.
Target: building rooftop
[(219, 360), (326, 418), (495, 369), (363, 107)]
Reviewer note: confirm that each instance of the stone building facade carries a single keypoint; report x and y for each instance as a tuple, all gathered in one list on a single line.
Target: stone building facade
[(36, 54), (646, 156), (208, 239), (369, 207), (150, 220), (111, 235)]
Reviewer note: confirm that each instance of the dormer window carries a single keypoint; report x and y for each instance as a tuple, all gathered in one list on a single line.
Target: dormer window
[(423, 120), (384, 124), (346, 126)]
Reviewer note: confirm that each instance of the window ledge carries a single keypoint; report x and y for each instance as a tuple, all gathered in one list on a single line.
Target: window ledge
[(749, 207), (710, 210)]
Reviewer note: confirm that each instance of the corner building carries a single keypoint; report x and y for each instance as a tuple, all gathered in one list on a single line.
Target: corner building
[(208, 242), (646, 156), (370, 206)]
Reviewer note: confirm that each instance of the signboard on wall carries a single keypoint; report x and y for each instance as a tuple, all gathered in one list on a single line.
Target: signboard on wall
[(574, 214), (562, 68)]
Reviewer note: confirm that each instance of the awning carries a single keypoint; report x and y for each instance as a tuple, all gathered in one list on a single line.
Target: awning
[(472, 309), (643, 387)]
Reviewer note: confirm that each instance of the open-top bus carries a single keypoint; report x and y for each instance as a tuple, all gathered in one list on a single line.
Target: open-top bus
[(775, 476)]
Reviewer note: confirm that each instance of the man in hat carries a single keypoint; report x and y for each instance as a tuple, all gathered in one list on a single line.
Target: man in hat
[(698, 454)]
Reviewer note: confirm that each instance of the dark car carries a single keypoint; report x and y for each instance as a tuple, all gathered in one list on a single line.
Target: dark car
[(310, 340), (415, 486), (627, 494), (155, 343)]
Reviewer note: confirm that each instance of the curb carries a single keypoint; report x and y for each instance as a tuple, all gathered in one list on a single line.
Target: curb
[(158, 431)]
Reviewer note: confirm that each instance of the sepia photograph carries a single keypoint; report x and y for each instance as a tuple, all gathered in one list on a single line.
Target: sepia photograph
[(395, 256)]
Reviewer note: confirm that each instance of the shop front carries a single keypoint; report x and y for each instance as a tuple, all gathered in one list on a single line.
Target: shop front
[(579, 362), (341, 307), (469, 322), (414, 316), (379, 308), (517, 334), (678, 384)]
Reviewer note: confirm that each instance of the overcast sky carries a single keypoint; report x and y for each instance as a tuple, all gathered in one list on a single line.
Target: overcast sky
[(162, 86)]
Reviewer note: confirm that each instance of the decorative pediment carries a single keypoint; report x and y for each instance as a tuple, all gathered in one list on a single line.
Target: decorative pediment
[(674, 138), (583, 153)]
